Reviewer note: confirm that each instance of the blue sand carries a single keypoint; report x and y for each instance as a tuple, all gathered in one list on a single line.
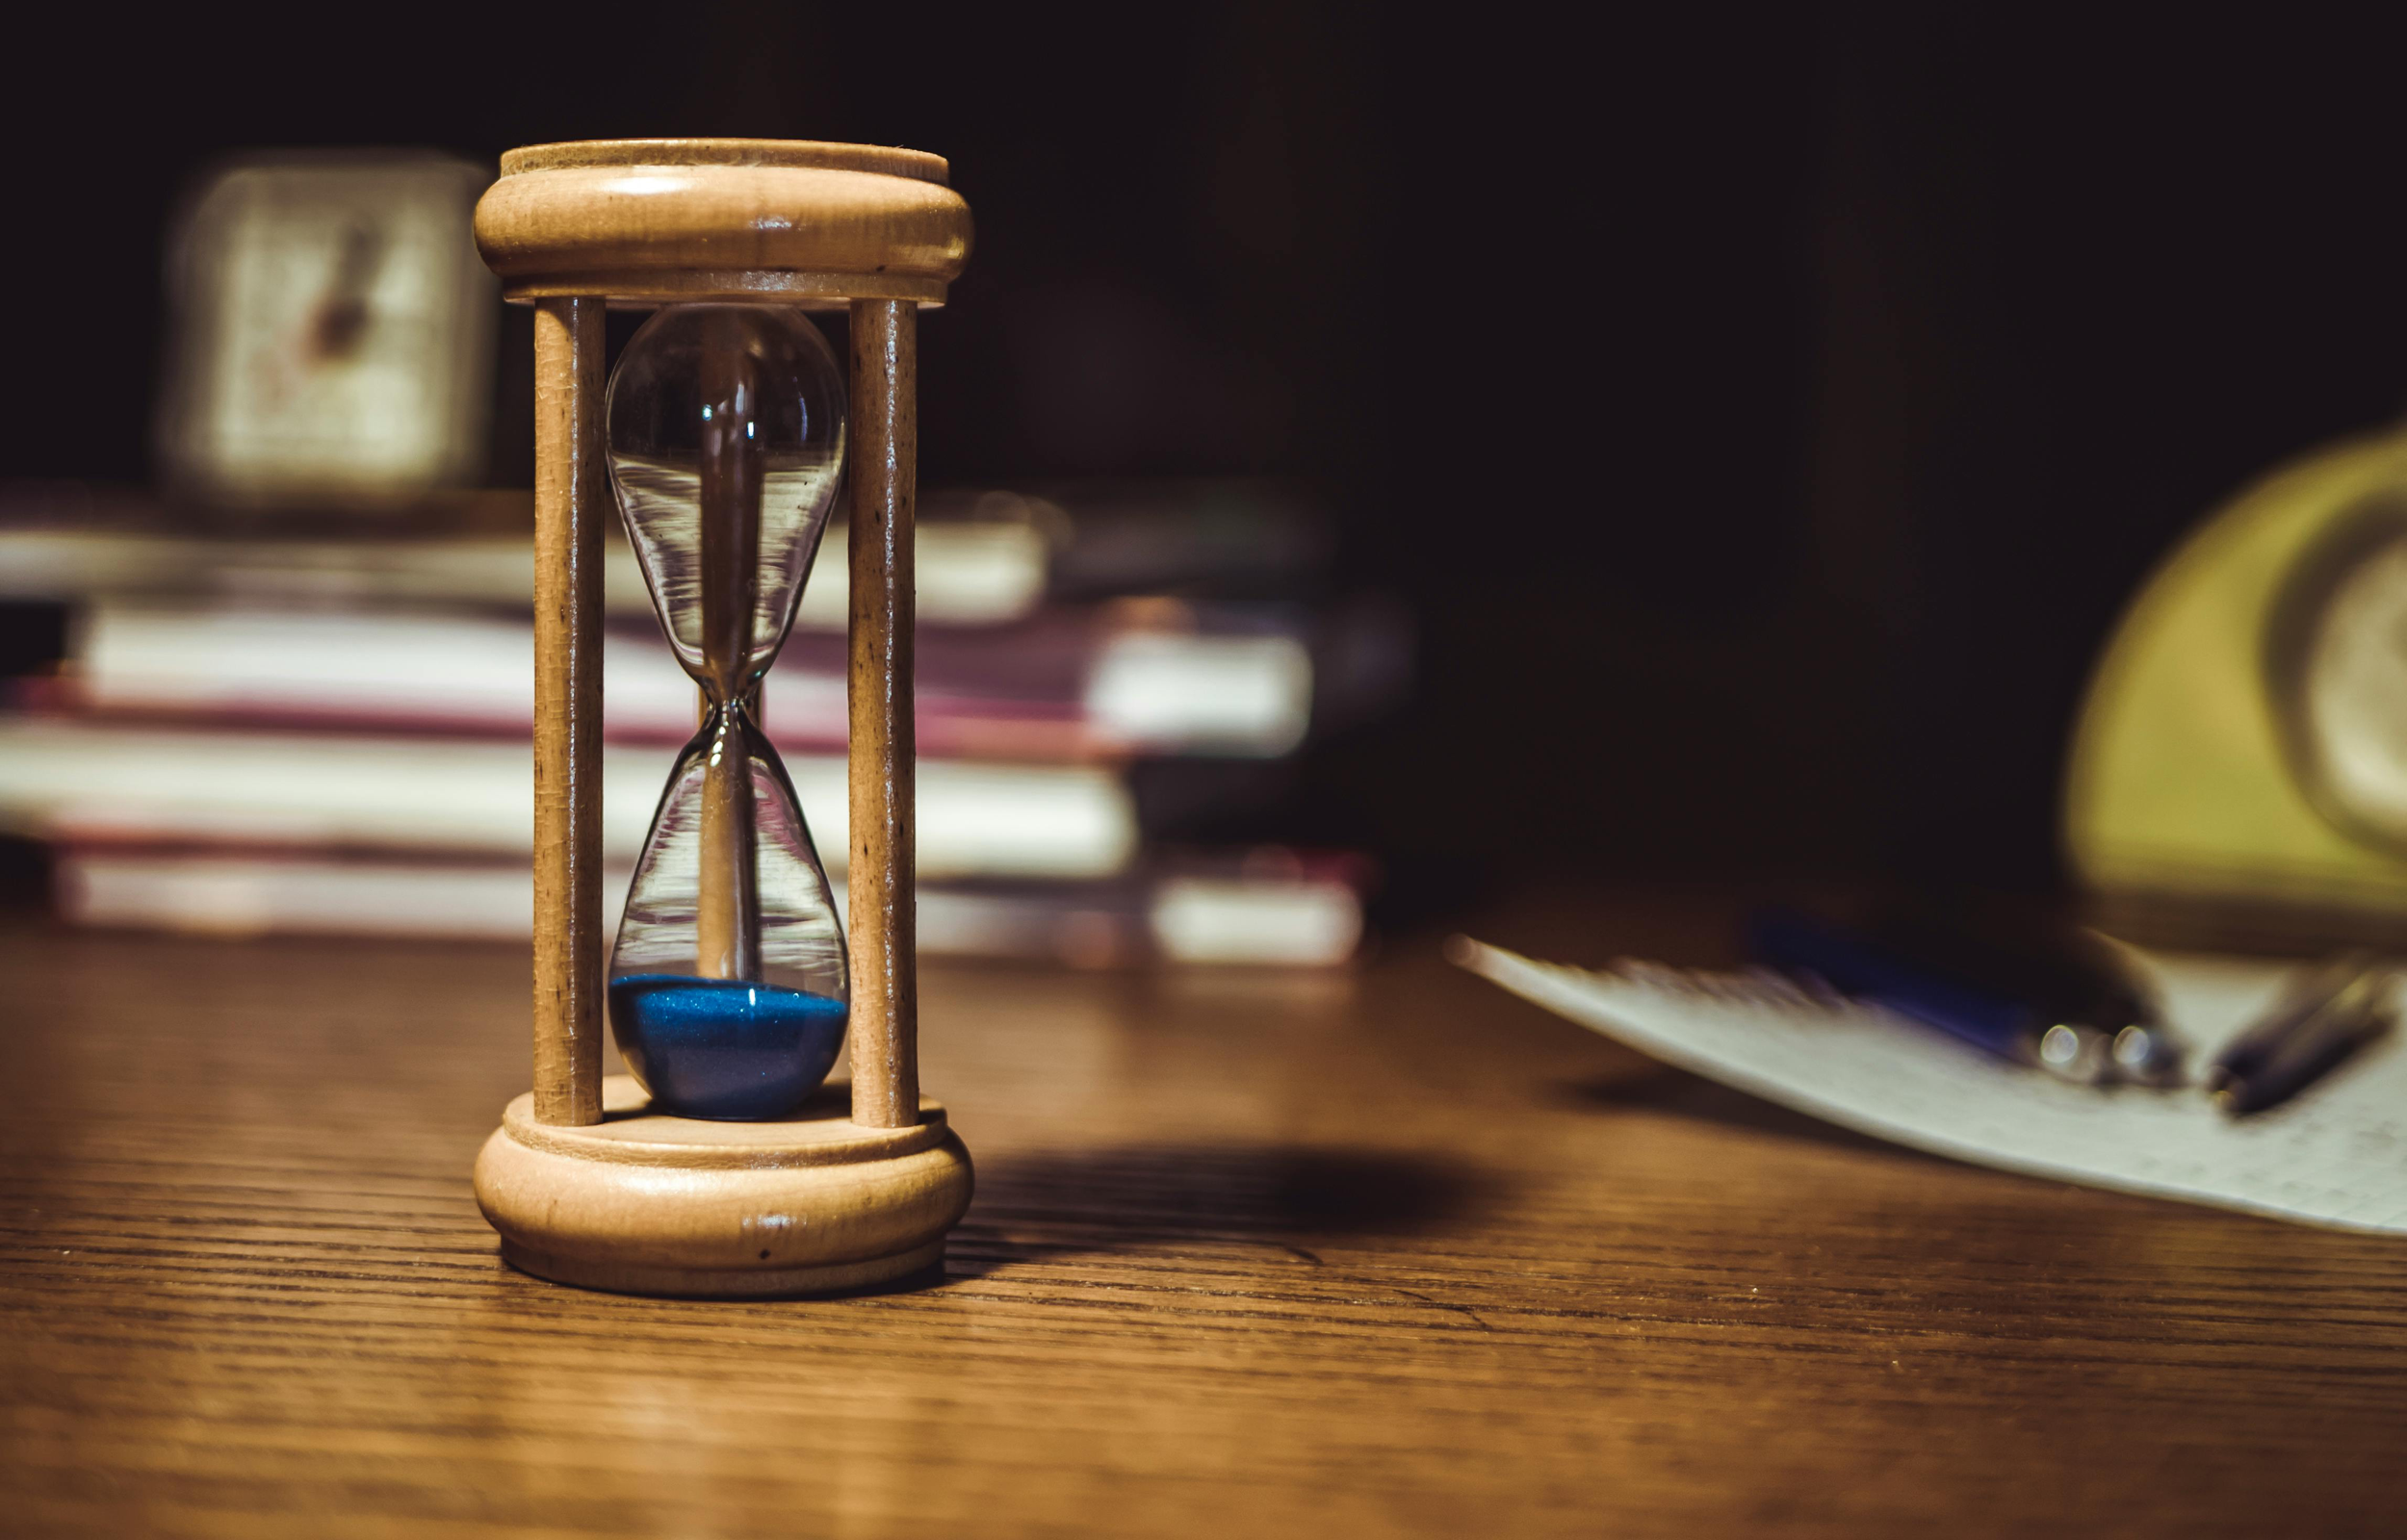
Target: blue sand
[(722, 1047)]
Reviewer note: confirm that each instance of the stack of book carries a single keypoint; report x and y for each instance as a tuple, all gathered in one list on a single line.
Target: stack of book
[(295, 735)]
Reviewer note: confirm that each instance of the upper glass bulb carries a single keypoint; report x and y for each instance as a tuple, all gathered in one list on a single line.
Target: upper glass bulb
[(736, 409)]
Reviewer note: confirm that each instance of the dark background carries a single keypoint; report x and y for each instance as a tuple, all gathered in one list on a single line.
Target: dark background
[(1766, 412)]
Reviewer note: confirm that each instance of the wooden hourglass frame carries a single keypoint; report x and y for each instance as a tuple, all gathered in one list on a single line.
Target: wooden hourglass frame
[(584, 1182)]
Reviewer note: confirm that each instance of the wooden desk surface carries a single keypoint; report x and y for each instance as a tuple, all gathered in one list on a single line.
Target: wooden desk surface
[(1250, 1256)]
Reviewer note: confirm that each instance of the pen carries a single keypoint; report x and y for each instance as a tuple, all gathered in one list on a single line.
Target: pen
[(2090, 1036), (2327, 1015)]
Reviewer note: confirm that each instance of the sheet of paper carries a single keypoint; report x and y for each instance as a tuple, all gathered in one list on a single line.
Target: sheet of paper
[(2334, 1155)]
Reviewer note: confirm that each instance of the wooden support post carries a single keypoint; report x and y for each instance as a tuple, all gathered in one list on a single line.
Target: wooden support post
[(727, 918), (884, 917), (571, 496)]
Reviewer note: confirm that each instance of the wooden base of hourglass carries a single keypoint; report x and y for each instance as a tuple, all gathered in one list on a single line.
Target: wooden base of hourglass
[(645, 1203)]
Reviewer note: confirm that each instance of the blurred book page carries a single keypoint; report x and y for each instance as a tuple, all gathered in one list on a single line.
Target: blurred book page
[(2335, 1155)]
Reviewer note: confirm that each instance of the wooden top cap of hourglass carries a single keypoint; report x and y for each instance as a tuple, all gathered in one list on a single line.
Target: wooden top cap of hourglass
[(651, 220)]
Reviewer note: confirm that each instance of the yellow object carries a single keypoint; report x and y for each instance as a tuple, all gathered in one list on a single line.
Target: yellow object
[(2178, 784)]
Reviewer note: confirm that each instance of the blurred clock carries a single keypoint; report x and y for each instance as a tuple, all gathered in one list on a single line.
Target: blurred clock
[(2336, 669), (2244, 740), (333, 333)]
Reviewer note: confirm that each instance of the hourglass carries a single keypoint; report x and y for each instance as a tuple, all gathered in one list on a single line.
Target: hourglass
[(723, 1166)]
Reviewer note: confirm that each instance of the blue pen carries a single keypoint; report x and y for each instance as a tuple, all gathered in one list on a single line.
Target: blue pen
[(2018, 1029)]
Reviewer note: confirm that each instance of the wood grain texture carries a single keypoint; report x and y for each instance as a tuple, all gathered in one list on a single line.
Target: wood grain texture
[(572, 498), (659, 219), (1387, 1254), (883, 921)]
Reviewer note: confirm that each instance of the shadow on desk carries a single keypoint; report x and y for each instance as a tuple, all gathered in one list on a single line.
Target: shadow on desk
[(1050, 1205)]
